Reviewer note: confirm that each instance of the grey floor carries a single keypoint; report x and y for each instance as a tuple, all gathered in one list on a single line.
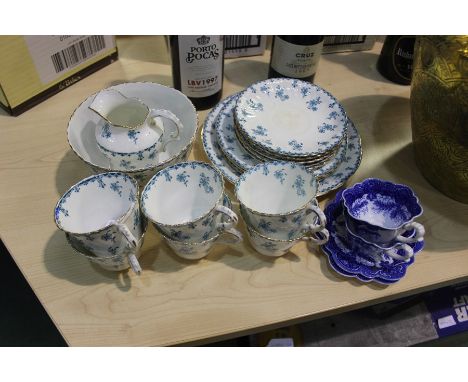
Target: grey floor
[(23, 321)]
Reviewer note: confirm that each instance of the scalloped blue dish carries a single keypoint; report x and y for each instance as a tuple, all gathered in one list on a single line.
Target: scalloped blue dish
[(351, 264)]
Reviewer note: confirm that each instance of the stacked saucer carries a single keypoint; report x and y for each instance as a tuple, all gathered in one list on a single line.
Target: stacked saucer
[(353, 256), (284, 120), (292, 120)]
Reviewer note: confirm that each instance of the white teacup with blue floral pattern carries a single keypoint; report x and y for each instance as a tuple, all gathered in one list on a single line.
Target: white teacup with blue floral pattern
[(184, 200), (102, 213), (279, 198), (278, 247), (198, 250), (113, 262)]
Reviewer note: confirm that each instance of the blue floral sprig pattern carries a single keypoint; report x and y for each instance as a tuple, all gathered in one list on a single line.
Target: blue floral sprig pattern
[(280, 93), (297, 146), (264, 89), (138, 154), (183, 178), (305, 91), (126, 164), (313, 104), (266, 226), (280, 175), (260, 131), (106, 131), (299, 185), (324, 127), (115, 186), (204, 183), (61, 209), (133, 135), (333, 115), (108, 236), (179, 235)]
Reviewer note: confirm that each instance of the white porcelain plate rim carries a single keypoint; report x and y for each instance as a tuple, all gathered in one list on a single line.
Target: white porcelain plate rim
[(210, 144), (234, 151)]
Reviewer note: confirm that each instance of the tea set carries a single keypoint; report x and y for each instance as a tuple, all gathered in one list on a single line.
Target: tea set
[(281, 142)]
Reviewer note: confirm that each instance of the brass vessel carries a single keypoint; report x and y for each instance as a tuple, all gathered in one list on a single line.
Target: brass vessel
[(439, 112)]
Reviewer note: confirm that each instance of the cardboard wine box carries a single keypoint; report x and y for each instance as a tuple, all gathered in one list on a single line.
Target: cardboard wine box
[(241, 46), (33, 68), (347, 43)]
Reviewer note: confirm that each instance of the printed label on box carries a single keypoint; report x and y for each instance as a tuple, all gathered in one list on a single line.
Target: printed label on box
[(54, 56), (281, 342), (449, 309), (446, 322)]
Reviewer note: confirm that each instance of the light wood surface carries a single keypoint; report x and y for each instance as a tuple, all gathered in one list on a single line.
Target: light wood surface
[(234, 290)]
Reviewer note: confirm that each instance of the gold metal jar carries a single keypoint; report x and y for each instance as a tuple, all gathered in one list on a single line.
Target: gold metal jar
[(439, 112)]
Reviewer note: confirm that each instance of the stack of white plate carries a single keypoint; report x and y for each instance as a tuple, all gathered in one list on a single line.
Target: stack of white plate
[(283, 119)]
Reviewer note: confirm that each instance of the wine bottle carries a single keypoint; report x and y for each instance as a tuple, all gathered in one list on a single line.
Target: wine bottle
[(198, 68), (396, 59), (295, 56)]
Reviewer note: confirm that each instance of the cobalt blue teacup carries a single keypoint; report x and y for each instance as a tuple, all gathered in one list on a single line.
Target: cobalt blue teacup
[(382, 213)]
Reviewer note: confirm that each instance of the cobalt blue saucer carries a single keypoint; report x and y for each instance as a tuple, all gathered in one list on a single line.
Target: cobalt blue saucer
[(349, 263)]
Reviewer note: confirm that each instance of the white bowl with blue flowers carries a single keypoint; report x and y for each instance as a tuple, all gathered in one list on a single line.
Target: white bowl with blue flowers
[(81, 132)]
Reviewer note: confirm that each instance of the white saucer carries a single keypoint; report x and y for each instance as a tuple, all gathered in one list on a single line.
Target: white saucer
[(269, 113)]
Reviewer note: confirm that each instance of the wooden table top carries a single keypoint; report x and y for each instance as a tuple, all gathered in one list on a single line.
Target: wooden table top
[(234, 290)]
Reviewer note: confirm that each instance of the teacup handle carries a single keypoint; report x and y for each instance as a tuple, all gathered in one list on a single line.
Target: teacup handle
[(321, 217), (132, 259), (169, 115), (419, 235), (236, 237), (233, 219), (405, 247), (317, 237)]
